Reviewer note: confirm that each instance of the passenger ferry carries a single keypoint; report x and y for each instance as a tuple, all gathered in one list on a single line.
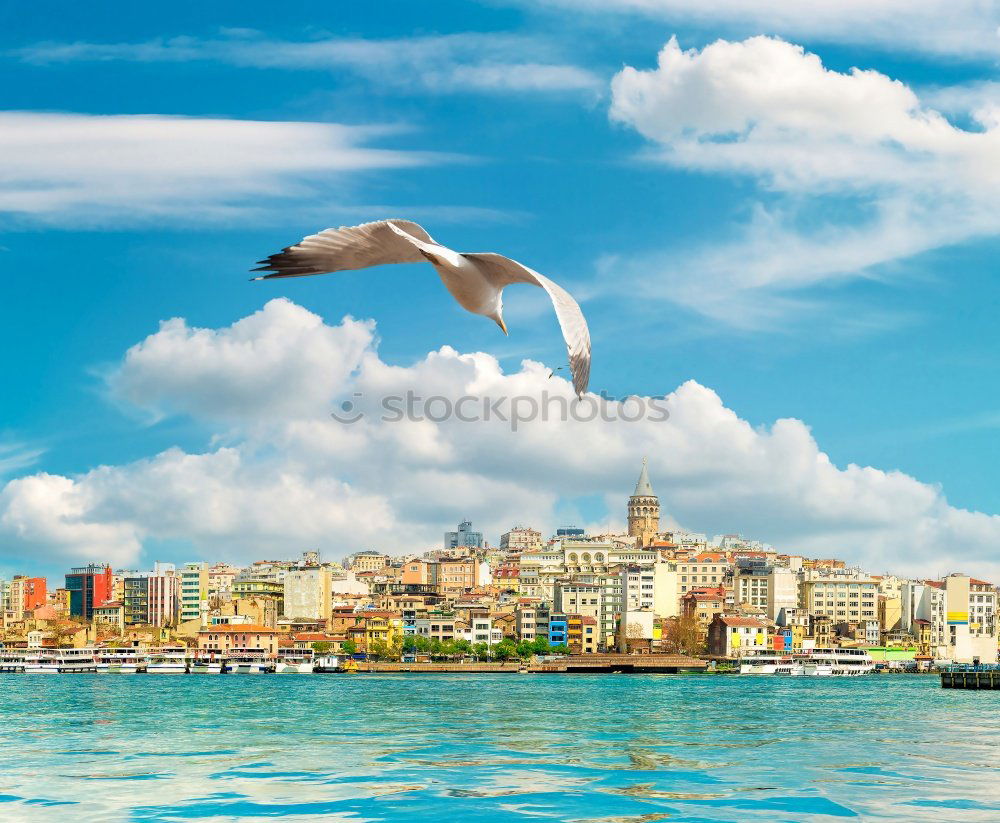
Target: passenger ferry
[(12, 660), (60, 661), (295, 661), (121, 661), (248, 661), (205, 663), (168, 660), (815, 663)]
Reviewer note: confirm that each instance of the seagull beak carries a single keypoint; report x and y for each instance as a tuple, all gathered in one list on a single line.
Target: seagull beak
[(502, 325)]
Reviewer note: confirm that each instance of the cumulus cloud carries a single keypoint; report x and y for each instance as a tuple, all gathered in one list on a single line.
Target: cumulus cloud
[(854, 143), (291, 477), (85, 169), (965, 29), (438, 64), (280, 360)]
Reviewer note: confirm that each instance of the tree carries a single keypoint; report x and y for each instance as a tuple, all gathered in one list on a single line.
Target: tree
[(683, 636), (505, 649), (349, 647), (481, 651), (525, 649), (321, 647)]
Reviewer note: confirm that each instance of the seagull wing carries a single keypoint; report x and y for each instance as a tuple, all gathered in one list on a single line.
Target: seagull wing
[(503, 271), (349, 247)]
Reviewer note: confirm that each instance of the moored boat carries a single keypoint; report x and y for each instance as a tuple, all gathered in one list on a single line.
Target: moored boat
[(120, 661), (204, 662), (248, 661), (295, 661), (168, 660)]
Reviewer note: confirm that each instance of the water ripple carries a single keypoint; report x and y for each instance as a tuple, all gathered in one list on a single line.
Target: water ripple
[(581, 749)]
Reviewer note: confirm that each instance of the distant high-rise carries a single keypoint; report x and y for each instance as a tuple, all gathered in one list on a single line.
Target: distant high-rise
[(643, 510), (464, 536)]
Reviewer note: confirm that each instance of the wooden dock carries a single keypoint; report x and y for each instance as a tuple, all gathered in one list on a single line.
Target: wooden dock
[(971, 677), (621, 663)]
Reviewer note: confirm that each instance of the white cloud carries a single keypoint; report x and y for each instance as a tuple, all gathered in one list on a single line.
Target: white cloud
[(857, 144), (293, 478), (966, 29), (439, 64), (280, 360), (769, 108), (85, 169)]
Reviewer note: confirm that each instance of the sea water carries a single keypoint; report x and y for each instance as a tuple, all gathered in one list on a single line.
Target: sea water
[(495, 748)]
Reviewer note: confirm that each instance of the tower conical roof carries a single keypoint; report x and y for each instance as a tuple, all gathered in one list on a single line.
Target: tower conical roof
[(643, 488)]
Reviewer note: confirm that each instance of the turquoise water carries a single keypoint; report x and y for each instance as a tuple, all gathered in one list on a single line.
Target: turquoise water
[(498, 747)]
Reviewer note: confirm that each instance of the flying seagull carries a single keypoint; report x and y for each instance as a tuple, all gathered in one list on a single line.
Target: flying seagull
[(476, 281)]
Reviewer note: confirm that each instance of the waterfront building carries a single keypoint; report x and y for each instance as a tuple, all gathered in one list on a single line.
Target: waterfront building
[(731, 636), (643, 511), (923, 615), (194, 588), (224, 638), (970, 609), (558, 628), (639, 631), (308, 593), (463, 537), (703, 570), (436, 626), (88, 586)]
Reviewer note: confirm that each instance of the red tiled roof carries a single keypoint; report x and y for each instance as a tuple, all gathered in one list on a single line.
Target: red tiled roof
[(237, 628), (747, 622)]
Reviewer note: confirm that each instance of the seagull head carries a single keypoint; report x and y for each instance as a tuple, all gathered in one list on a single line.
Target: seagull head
[(497, 317)]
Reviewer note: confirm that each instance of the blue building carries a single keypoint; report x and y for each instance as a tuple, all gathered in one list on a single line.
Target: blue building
[(558, 630), (464, 536)]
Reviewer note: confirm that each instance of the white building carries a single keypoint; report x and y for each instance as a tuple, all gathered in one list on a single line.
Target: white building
[(308, 593)]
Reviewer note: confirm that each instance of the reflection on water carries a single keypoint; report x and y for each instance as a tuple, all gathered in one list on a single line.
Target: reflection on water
[(497, 748)]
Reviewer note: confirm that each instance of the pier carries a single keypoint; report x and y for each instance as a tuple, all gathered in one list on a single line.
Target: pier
[(968, 676), (571, 664)]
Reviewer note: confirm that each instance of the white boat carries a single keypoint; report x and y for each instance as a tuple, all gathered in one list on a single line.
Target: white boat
[(168, 660), (248, 661), (121, 661), (60, 661), (815, 663), (763, 662), (295, 661), (205, 663), (12, 660)]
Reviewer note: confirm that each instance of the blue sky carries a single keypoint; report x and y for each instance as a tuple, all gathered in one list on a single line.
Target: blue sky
[(839, 270)]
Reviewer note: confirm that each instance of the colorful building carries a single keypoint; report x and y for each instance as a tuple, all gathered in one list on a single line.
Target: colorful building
[(89, 587)]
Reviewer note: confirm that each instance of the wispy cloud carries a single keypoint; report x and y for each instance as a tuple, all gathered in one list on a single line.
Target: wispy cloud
[(440, 64), (83, 169), (15, 456), (963, 29)]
